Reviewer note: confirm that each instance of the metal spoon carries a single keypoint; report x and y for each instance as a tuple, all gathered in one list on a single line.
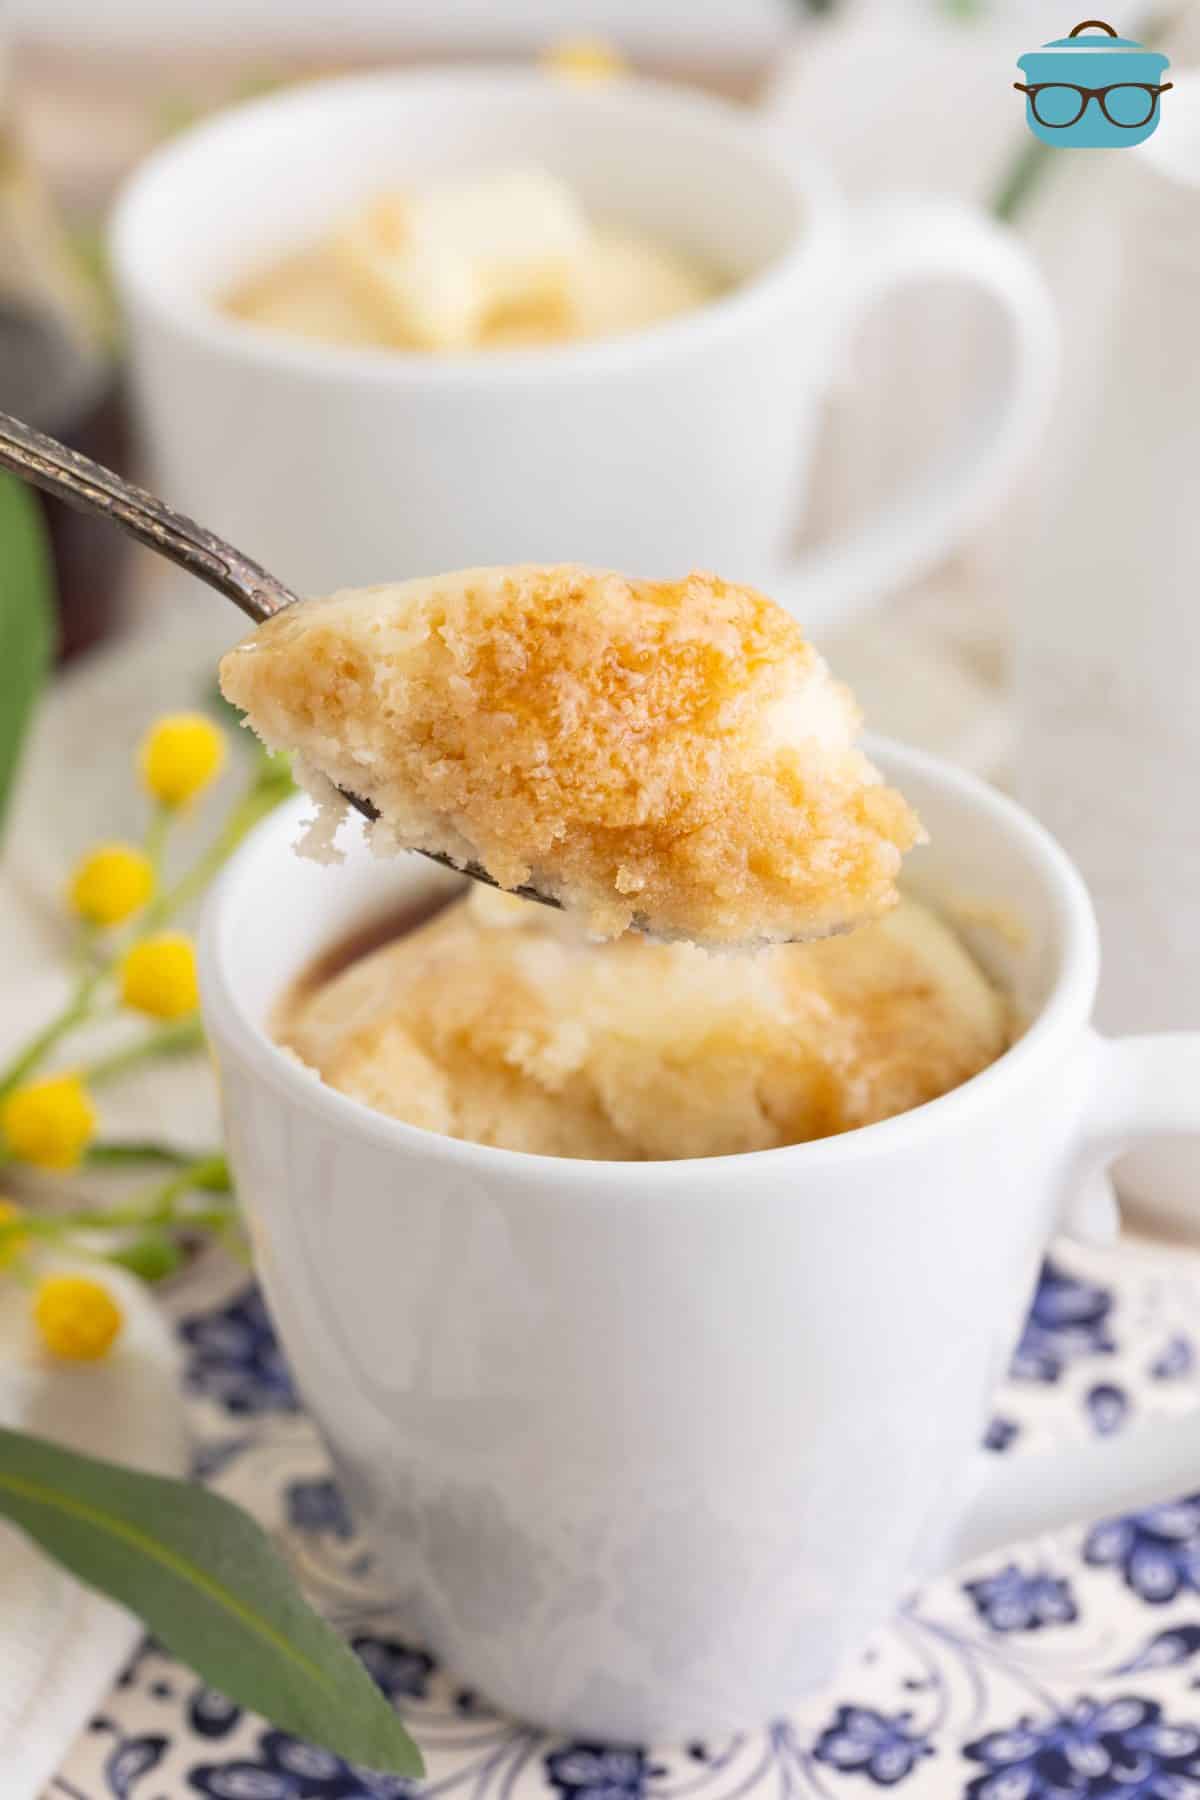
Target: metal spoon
[(89, 487)]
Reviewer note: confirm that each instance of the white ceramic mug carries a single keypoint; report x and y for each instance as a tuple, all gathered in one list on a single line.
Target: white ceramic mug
[(647, 1447), (686, 445)]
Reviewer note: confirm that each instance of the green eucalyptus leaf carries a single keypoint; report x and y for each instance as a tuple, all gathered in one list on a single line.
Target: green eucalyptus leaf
[(26, 622), (207, 1582)]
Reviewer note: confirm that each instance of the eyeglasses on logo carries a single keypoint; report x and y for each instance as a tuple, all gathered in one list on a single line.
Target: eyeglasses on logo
[(1093, 90)]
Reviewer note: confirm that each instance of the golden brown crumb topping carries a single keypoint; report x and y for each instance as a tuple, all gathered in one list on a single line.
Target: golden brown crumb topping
[(673, 755)]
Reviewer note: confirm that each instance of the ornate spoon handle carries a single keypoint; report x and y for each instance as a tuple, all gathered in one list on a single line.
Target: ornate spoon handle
[(91, 488)]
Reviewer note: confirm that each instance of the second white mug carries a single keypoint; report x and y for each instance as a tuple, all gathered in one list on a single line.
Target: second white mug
[(689, 444)]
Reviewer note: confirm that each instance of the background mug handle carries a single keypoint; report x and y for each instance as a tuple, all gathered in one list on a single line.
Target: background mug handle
[(1142, 1088), (895, 245)]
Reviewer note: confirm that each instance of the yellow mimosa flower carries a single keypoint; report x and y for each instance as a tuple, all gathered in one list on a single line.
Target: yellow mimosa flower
[(180, 756), (110, 883), (78, 1318), (158, 976), (50, 1122)]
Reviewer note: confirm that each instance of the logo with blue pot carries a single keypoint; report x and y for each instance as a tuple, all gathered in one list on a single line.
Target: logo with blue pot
[(1093, 90)]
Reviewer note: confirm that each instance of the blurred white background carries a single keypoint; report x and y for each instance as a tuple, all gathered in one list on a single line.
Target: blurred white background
[(752, 26)]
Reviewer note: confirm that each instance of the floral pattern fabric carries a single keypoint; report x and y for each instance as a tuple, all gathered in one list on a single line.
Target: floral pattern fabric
[(1065, 1670)]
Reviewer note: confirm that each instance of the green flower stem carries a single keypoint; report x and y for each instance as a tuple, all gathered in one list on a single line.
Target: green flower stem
[(160, 1203), (156, 838), (179, 1038), (152, 1255), (113, 1218), (84, 950), (264, 793), (210, 1174), (159, 1207), (1021, 176), (117, 1153), (270, 784), (207, 1218), (77, 1009)]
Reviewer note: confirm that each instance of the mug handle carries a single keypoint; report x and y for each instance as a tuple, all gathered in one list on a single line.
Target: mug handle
[(910, 241), (1143, 1088)]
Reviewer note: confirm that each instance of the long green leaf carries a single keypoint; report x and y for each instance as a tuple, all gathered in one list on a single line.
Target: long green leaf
[(26, 622), (208, 1583)]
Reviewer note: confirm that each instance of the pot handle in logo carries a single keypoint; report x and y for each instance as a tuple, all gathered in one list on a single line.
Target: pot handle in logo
[(1094, 25), (1140, 1089), (904, 246)]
